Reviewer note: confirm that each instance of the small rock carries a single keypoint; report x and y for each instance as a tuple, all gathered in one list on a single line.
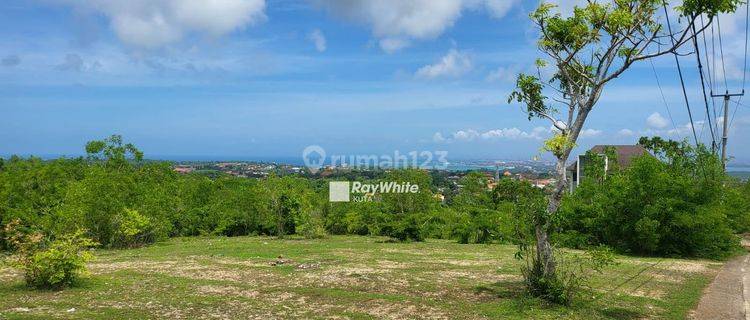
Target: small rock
[(306, 266), (280, 261), (72, 310)]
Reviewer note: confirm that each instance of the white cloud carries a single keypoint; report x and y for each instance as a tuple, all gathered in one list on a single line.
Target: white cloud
[(319, 39), (397, 22), (683, 130), (657, 121), (733, 41), (626, 133), (590, 133), (438, 137), (499, 8), (504, 74), (454, 64), (391, 45), (537, 133), (465, 135), (155, 23)]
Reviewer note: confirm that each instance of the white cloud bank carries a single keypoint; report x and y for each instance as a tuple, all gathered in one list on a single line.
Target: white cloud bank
[(514, 133), (454, 64), (396, 23), (155, 23)]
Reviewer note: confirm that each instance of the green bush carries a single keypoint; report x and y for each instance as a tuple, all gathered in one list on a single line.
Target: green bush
[(483, 226), (674, 205), (48, 264), (59, 265), (132, 230), (404, 228)]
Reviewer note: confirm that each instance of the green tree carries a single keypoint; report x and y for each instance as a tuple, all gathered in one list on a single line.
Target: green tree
[(473, 192), (113, 151), (592, 46)]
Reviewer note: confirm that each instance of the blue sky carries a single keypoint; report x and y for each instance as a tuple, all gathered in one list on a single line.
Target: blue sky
[(262, 79)]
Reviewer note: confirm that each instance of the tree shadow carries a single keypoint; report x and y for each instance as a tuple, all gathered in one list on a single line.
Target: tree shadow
[(621, 313), (503, 290), (514, 293)]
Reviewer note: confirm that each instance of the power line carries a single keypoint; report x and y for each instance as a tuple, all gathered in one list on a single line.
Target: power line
[(721, 50), (727, 96), (737, 106), (705, 51), (703, 88), (682, 79), (709, 62), (663, 98)]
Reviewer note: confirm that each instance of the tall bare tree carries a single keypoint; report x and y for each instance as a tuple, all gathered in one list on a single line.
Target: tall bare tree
[(587, 49)]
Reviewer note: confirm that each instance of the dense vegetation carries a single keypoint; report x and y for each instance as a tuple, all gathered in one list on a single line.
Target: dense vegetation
[(122, 201), (675, 203), (679, 205)]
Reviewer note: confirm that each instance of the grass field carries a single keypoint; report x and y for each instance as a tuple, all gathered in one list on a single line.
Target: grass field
[(344, 278)]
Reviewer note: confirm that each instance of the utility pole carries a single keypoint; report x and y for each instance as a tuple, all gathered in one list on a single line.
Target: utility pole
[(725, 122)]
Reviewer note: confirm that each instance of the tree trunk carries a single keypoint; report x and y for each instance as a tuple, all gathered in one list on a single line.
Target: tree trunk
[(543, 246)]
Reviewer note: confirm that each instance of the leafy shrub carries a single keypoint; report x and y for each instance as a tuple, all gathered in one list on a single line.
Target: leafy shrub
[(404, 228), (674, 206), (132, 230), (484, 226), (310, 225), (442, 223), (50, 264)]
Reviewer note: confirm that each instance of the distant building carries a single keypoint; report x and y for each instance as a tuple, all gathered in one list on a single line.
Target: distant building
[(542, 183), (183, 169), (625, 156)]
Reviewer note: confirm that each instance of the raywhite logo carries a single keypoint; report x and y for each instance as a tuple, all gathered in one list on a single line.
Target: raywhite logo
[(314, 156), (343, 191), (384, 187), (338, 191)]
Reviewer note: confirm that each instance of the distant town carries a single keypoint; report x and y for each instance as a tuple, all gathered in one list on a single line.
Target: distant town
[(538, 173)]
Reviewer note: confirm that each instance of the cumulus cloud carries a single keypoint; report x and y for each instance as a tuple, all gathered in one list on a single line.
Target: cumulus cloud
[(454, 64), (657, 121), (465, 135), (396, 23), (318, 38), (155, 23), (626, 133), (537, 133), (10, 61), (504, 74), (590, 133), (682, 130), (438, 137)]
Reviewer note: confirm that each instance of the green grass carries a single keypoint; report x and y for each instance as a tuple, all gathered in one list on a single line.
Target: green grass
[(344, 277)]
